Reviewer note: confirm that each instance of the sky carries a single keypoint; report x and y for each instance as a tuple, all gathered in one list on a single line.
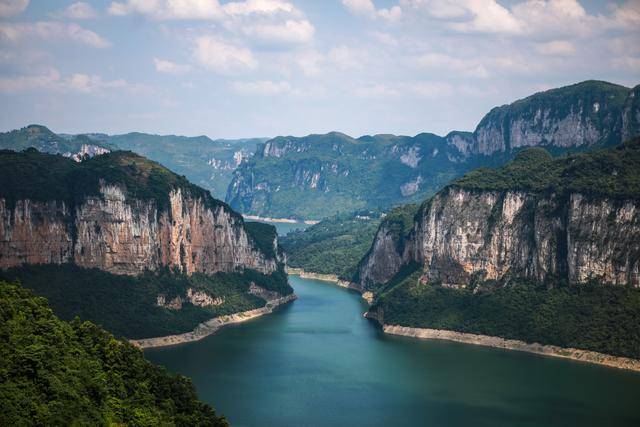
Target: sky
[(262, 68)]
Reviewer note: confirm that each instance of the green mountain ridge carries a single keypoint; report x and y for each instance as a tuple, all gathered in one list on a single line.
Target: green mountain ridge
[(321, 175), (205, 162)]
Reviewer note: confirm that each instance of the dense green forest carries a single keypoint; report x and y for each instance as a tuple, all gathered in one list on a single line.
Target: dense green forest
[(589, 316), (611, 172), (333, 246), (126, 305), (54, 372)]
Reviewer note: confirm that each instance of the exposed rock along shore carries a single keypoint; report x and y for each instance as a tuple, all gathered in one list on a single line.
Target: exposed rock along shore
[(367, 296), (497, 342), (212, 326), (285, 220)]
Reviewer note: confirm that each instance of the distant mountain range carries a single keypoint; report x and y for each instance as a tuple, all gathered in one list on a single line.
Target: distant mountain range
[(205, 162), (320, 175)]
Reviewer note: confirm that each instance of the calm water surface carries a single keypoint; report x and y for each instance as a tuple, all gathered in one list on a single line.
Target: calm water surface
[(318, 362), (285, 227)]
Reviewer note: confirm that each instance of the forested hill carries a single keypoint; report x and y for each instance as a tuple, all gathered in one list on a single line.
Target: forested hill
[(318, 176), (58, 373), (205, 162)]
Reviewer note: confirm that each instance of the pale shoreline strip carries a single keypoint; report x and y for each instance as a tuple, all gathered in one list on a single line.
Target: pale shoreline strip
[(211, 326), (284, 220), (367, 296), (497, 342)]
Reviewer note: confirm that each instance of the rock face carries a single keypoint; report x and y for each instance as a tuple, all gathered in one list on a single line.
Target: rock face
[(197, 298), (319, 175), (585, 114), (574, 219), (124, 235), (461, 235)]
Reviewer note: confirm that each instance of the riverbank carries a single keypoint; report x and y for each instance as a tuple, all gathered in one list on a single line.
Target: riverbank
[(367, 296), (212, 326), (283, 220), (497, 342)]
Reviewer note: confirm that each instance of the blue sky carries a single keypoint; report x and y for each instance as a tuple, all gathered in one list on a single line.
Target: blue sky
[(294, 67)]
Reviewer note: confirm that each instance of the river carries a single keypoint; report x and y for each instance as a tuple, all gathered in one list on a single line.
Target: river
[(318, 362)]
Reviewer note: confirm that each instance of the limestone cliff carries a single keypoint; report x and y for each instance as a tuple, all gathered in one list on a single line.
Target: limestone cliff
[(320, 175), (560, 224), (587, 114), (118, 227)]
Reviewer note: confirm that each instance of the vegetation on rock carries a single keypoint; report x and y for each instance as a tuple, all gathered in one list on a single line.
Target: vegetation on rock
[(593, 317), (333, 246), (127, 305)]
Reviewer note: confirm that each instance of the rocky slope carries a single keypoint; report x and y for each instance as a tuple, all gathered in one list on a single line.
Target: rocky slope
[(120, 213), (575, 219), (543, 251), (321, 175)]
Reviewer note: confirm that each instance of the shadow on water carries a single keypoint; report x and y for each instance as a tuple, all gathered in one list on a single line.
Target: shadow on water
[(318, 362)]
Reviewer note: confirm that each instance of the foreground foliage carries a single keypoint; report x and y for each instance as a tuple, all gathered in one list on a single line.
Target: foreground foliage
[(126, 305), (592, 316), (58, 373)]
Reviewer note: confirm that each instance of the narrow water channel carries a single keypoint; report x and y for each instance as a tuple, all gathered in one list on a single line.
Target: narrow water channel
[(318, 362)]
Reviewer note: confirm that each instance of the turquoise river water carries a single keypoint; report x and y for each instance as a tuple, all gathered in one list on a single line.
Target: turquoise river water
[(318, 362)]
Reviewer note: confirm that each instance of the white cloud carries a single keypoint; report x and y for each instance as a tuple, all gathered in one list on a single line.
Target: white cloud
[(51, 80), (266, 7), (385, 38), (310, 62), (627, 62), (200, 9), (222, 57), (360, 7), (429, 89), (536, 18), (367, 9), (289, 32), (556, 48), (627, 15), (487, 16), (262, 87), (376, 91), (343, 57), (168, 67), (48, 30), (48, 80), (12, 7), (79, 10), (468, 67), (168, 9), (92, 83)]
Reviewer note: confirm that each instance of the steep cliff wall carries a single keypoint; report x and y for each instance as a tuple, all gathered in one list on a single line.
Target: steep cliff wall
[(555, 228), (319, 175), (121, 229), (586, 114)]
